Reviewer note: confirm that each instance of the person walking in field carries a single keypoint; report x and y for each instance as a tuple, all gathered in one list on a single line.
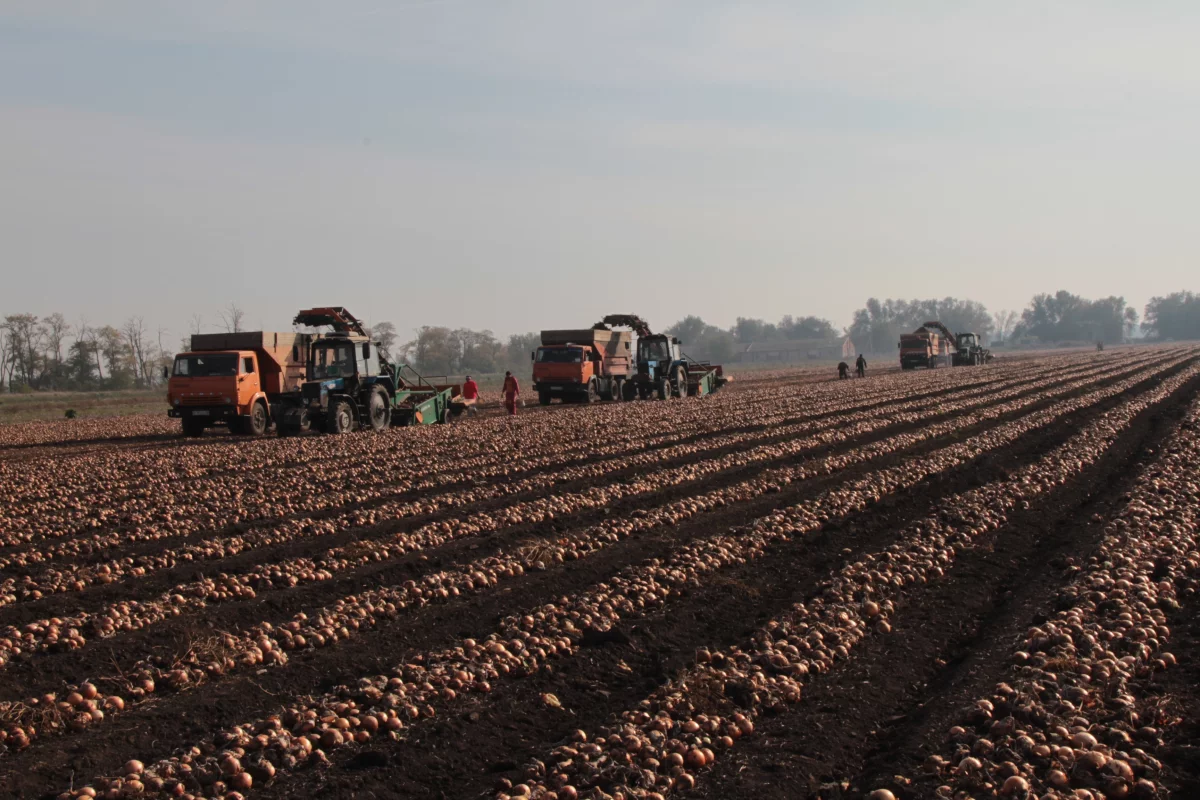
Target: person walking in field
[(861, 366), (470, 395), (843, 370), (511, 391)]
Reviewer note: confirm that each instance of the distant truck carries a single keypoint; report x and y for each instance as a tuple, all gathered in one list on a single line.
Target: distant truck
[(925, 348), (582, 366), (601, 363), (235, 379), (934, 344)]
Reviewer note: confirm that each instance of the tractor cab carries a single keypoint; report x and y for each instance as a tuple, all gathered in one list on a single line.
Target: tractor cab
[(657, 351), (966, 341)]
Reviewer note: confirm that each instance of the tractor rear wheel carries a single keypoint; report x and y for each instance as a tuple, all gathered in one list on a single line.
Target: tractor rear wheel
[(379, 413), (340, 418)]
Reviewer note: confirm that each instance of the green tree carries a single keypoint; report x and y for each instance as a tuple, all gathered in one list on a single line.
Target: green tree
[(1176, 316)]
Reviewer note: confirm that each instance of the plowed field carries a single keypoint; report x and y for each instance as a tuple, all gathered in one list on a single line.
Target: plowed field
[(971, 582)]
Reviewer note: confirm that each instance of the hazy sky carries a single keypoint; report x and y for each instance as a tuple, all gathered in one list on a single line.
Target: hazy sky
[(518, 164)]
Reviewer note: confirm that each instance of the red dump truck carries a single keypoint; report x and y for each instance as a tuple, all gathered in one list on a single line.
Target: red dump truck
[(581, 366), (235, 379), (925, 348)]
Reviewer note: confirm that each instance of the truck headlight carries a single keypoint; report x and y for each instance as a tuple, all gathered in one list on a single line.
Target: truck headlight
[(175, 401)]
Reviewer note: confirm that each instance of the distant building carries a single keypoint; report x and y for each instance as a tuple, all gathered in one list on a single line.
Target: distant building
[(794, 350)]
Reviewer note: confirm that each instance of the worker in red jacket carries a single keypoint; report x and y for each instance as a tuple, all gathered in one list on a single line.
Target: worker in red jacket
[(470, 395), (511, 391)]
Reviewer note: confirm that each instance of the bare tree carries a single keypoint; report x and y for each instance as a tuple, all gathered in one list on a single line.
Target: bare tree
[(197, 324), (232, 317), (1004, 322), (25, 344), (56, 329), (134, 332), (384, 335)]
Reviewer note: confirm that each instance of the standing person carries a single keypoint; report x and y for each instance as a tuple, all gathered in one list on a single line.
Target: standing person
[(861, 366), (843, 370), (470, 394), (512, 390)]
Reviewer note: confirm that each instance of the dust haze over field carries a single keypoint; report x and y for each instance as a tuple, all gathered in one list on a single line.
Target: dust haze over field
[(476, 159)]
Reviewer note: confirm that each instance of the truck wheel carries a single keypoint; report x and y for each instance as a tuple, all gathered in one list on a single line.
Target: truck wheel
[(193, 427), (340, 418), (379, 413), (664, 389), (618, 390), (543, 397), (592, 394), (257, 424)]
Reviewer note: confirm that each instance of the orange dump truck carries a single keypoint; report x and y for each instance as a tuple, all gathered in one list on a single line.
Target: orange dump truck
[(581, 366), (925, 348), (235, 379)]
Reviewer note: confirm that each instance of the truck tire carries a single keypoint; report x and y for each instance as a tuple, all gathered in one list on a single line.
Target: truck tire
[(618, 390), (664, 389), (591, 394), (379, 411), (258, 421), (340, 418), (193, 427)]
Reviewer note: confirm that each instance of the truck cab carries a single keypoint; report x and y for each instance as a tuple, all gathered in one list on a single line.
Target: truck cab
[(218, 387), (564, 365)]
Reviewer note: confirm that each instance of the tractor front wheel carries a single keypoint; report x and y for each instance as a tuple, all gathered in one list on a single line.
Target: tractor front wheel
[(681, 385), (664, 388), (340, 418)]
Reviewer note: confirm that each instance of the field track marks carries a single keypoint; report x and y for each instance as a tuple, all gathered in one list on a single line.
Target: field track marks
[(889, 708), (1104, 422)]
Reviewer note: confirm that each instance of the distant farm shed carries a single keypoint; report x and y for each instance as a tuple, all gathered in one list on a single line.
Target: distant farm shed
[(792, 350)]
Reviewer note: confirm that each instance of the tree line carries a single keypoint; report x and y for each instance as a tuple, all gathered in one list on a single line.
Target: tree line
[(51, 353)]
